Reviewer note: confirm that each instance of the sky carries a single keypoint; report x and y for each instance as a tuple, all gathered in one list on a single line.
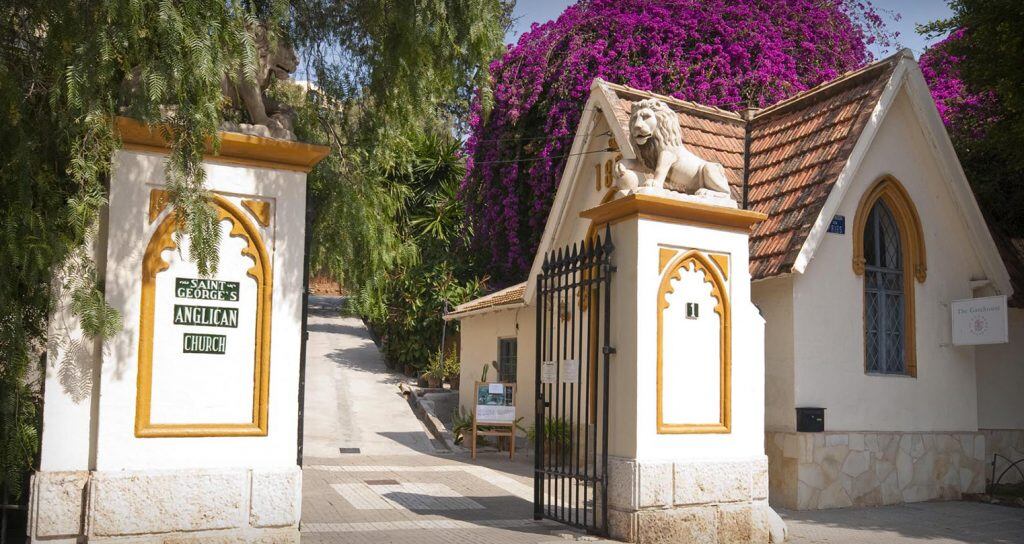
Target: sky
[(911, 12)]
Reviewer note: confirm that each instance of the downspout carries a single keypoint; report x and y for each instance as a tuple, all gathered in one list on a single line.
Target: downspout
[(307, 242), (748, 117)]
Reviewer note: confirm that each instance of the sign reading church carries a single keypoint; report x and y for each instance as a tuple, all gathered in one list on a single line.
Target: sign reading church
[(203, 344)]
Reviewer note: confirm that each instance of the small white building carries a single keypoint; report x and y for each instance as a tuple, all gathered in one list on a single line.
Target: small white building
[(872, 233)]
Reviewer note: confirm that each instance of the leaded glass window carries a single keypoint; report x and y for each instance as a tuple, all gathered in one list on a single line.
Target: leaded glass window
[(884, 312), (507, 360)]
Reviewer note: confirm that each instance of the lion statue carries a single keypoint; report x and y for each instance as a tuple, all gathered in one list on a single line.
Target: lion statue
[(276, 61), (664, 162)]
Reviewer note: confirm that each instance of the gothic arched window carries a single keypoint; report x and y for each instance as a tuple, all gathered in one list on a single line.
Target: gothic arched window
[(889, 252)]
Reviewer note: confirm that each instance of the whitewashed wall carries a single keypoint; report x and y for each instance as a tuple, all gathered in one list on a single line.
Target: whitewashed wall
[(774, 298), (117, 446), (828, 306), (478, 337), (1000, 375)]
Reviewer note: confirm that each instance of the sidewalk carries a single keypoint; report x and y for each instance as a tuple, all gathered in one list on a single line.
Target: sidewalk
[(391, 485)]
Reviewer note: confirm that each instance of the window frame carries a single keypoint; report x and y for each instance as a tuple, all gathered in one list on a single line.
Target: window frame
[(502, 377), (914, 263)]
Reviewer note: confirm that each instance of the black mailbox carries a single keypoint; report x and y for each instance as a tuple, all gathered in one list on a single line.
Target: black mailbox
[(810, 420)]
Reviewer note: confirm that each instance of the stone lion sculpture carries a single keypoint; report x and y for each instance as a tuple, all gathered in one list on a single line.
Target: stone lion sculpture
[(664, 162), (276, 61)]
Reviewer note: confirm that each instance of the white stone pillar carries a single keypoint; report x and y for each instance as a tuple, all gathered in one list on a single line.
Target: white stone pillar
[(194, 431), (686, 448)]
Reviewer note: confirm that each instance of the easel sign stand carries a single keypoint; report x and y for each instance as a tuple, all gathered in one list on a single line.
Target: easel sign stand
[(495, 406)]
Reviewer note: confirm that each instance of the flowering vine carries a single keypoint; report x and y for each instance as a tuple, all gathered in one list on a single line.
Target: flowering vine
[(724, 53)]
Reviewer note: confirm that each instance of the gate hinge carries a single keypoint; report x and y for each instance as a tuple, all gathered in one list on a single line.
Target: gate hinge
[(608, 350)]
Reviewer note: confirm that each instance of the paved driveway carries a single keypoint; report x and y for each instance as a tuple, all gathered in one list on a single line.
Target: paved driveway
[(371, 473), (931, 522)]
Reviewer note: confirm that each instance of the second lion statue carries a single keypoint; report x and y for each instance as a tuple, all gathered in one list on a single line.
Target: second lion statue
[(664, 162)]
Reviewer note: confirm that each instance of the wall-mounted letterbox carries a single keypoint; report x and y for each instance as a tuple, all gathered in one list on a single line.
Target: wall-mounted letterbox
[(810, 420)]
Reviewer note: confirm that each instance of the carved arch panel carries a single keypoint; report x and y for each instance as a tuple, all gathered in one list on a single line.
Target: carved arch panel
[(712, 269)]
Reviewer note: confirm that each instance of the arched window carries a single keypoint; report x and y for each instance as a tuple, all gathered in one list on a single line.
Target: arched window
[(889, 252), (884, 309)]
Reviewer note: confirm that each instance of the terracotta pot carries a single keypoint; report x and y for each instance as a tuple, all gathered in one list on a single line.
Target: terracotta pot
[(454, 382), (433, 383)]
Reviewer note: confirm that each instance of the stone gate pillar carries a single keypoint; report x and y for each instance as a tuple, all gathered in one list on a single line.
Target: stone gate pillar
[(183, 426), (687, 461)]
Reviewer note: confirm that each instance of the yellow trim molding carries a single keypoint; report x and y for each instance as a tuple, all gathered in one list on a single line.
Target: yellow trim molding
[(260, 209), (235, 148), (661, 207), (261, 272), (703, 263), (158, 200), (915, 261)]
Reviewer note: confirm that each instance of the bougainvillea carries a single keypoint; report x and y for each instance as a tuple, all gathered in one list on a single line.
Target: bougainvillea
[(724, 53), (966, 113)]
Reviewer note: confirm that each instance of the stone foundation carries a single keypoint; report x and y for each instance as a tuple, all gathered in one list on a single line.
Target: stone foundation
[(811, 471), (178, 506), (713, 502), (1010, 444)]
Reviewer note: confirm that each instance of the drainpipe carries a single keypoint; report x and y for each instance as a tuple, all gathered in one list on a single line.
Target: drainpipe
[(307, 242), (748, 116)]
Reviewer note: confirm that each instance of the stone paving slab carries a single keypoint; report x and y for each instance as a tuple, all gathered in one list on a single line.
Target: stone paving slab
[(421, 498), (954, 522)]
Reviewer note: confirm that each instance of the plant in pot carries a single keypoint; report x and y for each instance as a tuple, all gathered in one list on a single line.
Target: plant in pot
[(435, 371), (557, 437), (452, 368)]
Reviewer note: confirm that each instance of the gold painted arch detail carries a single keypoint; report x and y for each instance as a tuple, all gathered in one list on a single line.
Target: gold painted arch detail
[(710, 267), (262, 272)]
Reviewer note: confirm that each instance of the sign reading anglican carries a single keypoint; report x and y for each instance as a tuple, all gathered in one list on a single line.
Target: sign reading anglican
[(205, 316)]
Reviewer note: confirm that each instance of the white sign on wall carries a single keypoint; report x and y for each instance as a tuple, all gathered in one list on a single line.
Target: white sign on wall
[(979, 321)]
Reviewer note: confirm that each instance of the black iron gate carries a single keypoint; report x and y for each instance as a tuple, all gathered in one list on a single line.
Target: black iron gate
[(571, 427)]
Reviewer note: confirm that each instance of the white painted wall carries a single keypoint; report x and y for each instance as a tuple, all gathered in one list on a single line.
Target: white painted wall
[(478, 338), (774, 298), (828, 305), (134, 174), (1000, 375), (746, 438)]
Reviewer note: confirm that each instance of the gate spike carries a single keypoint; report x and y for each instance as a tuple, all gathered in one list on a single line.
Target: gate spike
[(608, 245), (544, 267)]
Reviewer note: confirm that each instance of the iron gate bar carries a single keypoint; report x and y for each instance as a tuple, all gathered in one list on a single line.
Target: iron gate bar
[(573, 323)]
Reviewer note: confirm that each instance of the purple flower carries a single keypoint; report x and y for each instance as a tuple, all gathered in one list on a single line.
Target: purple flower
[(724, 53)]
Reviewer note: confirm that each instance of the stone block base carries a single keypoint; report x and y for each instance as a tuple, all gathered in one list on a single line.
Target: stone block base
[(1009, 443), (811, 471), (180, 506), (699, 501)]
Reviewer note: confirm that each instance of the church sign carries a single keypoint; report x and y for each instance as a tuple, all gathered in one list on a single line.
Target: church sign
[(204, 341)]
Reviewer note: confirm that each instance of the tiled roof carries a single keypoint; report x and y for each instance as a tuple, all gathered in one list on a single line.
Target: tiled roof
[(713, 134), (1011, 249), (798, 148), (506, 297)]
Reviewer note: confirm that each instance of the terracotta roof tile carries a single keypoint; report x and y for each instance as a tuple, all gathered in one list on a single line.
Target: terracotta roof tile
[(506, 297)]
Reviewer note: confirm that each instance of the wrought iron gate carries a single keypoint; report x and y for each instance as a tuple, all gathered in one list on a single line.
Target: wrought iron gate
[(571, 428)]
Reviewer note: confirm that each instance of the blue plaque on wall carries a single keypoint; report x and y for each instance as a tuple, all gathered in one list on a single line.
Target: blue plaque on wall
[(838, 225)]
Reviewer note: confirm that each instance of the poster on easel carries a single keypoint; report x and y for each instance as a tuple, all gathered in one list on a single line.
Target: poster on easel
[(495, 409)]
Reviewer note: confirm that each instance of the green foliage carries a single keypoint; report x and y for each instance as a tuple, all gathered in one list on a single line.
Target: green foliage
[(987, 53), (452, 367), (557, 433), (412, 266), (435, 369), (68, 68)]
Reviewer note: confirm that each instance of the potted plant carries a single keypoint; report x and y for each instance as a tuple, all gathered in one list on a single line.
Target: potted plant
[(435, 371), (452, 369)]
